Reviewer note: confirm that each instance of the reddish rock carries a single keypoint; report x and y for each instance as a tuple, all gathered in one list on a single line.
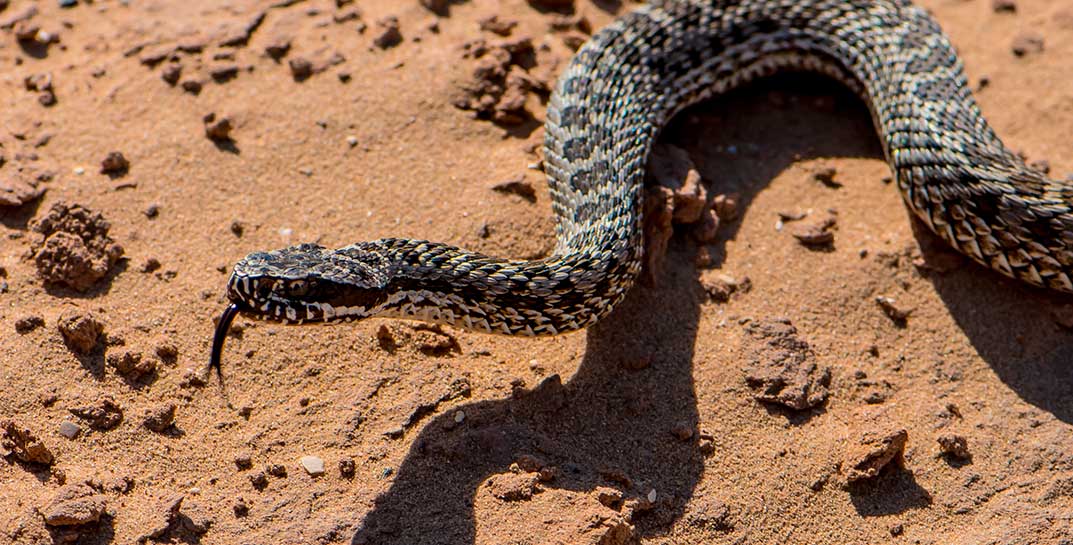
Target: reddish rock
[(74, 504), (872, 451), (21, 443)]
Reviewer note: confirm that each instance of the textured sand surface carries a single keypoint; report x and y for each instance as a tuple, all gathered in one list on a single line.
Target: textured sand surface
[(798, 409)]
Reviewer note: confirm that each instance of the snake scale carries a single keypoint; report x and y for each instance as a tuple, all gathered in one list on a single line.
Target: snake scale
[(609, 104)]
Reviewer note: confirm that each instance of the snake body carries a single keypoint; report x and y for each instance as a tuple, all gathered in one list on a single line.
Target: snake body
[(603, 116)]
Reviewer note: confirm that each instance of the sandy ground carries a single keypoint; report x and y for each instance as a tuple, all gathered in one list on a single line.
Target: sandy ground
[(653, 427)]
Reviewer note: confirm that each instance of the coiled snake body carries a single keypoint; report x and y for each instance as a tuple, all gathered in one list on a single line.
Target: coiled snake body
[(609, 104)]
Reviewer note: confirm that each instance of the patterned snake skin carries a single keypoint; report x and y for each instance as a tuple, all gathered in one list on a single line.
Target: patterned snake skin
[(609, 104)]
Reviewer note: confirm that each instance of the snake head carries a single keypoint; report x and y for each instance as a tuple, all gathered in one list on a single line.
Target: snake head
[(311, 283)]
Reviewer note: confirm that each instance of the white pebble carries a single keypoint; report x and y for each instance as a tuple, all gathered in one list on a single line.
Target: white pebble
[(652, 496), (79, 171), (313, 465), (285, 232), (352, 141), (460, 416), (69, 429)]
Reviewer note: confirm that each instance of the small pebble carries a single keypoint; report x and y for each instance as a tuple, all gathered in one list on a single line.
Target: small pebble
[(352, 141), (243, 462), (313, 465), (301, 68), (893, 310), (115, 163), (69, 429), (241, 508), (217, 129), (171, 74), (459, 417)]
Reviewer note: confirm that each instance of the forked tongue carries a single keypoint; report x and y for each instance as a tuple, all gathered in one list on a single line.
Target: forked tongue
[(222, 327)]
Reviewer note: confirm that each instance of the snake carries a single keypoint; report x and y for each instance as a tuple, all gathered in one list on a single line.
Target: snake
[(602, 118)]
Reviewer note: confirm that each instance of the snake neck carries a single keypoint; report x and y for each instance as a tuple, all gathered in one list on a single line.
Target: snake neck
[(441, 283)]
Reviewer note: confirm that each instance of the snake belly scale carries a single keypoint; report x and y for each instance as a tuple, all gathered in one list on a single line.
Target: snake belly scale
[(603, 116)]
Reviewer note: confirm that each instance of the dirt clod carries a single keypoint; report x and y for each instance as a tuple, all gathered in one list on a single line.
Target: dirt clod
[(20, 442), (130, 363), (102, 414), (387, 33), (259, 480), (954, 446), (782, 367), (720, 286), (74, 504), (159, 417), (26, 324), (347, 468), (816, 235), (165, 513), (19, 186), (192, 86), (513, 486), (73, 248), (872, 451), (81, 331)]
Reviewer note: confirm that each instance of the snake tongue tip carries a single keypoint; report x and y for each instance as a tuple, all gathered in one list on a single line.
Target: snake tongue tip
[(218, 339)]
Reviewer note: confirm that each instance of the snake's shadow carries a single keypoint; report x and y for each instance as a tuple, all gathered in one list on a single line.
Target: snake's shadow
[(1009, 324), (608, 420), (609, 417), (1012, 326)]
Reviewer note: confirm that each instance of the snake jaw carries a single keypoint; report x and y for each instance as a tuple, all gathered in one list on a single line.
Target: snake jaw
[(222, 327)]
